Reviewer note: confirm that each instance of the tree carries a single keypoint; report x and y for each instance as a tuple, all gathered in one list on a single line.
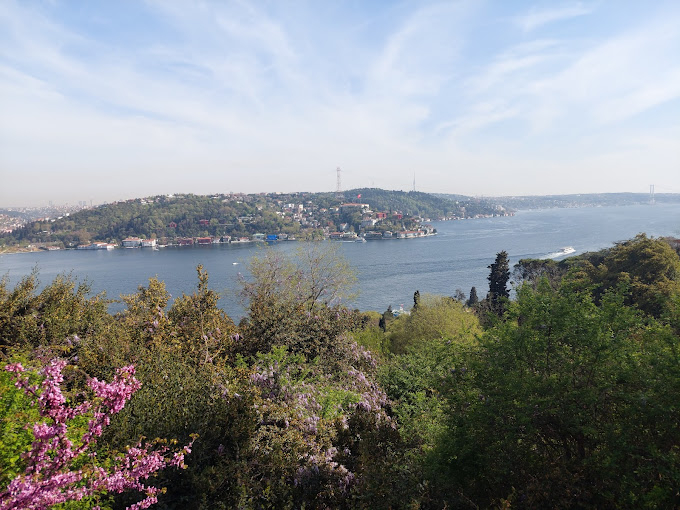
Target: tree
[(438, 317), (651, 265), (61, 313), (316, 274), (416, 300), (295, 300), (498, 281), (459, 295), (200, 327), (567, 404), (185, 358), (473, 299), (531, 271), (387, 317)]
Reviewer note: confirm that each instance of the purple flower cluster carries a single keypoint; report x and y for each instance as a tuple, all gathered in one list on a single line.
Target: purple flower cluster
[(49, 478), (290, 409), (373, 398), (303, 407), (323, 464)]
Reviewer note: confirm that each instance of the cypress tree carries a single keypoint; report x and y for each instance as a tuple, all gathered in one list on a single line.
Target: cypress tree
[(473, 299), (498, 282), (387, 316)]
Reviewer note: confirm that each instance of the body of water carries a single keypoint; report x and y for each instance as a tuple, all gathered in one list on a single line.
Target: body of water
[(389, 271)]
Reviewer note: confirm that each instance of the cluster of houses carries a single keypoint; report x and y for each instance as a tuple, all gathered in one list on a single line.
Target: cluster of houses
[(368, 229), (136, 242), (423, 231), (94, 246), (370, 219), (426, 230), (371, 227)]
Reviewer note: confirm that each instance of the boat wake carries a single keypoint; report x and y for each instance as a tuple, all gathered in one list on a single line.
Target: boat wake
[(567, 250)]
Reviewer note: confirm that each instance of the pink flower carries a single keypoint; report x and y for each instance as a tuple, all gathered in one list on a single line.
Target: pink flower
[(49, 478)]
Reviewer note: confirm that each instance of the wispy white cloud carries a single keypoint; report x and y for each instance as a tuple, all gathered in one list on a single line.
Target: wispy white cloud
[(614, 80), (536, 17), (420, 56)]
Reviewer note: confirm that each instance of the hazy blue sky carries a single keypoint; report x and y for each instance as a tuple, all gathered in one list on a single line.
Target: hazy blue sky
[(114, 99)]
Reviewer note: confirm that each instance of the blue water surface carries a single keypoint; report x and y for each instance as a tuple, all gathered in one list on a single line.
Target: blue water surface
[(388, 271)]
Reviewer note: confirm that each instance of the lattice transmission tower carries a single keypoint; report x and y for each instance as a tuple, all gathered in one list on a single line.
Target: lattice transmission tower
[(338, 188)]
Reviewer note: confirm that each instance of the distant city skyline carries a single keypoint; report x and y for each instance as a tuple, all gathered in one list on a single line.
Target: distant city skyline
[(104, 101)]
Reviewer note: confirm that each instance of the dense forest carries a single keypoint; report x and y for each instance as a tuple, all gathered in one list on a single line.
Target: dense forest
[(171, 217), (563, 394)]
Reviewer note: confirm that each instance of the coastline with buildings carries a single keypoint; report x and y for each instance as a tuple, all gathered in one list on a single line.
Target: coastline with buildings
[(189, 220), (238, 218)]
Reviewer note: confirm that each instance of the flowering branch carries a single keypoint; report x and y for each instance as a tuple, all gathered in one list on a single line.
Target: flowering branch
[(50, 477)]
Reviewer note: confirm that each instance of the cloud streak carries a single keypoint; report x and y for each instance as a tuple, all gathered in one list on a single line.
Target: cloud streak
[(537, 18)]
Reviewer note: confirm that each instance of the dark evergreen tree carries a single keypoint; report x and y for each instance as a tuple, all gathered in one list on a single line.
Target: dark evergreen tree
[(498, 282), (387, 316), (473, 299), (416, 300)]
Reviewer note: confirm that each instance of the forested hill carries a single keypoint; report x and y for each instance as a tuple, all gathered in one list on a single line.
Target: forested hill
[(187, 215), (423, 204), (160, 216)]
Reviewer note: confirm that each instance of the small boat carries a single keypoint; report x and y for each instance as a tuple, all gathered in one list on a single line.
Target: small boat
[(360, 240), (234, 263), (567, 250)]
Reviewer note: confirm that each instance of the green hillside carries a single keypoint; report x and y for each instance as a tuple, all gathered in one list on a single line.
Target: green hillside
[(187, 215)]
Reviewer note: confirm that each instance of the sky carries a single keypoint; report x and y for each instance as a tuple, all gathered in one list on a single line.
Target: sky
[(103, 100)]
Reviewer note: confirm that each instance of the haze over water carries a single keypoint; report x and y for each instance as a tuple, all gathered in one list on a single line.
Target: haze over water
[(388, 271)]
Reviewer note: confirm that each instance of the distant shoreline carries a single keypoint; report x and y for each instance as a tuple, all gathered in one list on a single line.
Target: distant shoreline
[(18, 249)]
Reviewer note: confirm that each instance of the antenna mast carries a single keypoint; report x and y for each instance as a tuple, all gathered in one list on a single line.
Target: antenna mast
[(338, 188)]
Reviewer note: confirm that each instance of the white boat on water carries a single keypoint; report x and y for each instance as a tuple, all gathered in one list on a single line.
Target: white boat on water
[(562, 252)]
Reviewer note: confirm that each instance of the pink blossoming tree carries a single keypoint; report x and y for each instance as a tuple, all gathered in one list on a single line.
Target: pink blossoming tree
[(59, 469)]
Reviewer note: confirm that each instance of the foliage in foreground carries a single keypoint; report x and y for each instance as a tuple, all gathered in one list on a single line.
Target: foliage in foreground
[(567, 398), (566, 403)]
